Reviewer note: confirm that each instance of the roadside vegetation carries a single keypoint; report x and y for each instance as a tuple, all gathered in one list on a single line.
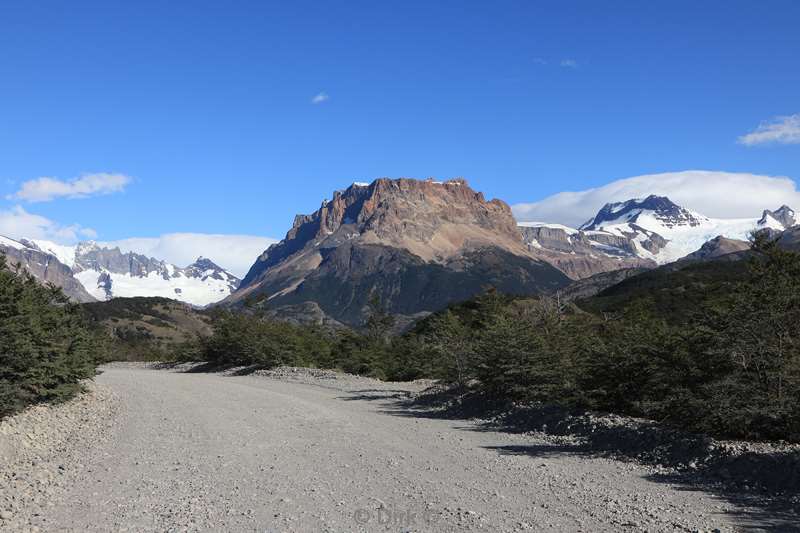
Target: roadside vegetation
[(709, 347), (712, 347), (46, 345)]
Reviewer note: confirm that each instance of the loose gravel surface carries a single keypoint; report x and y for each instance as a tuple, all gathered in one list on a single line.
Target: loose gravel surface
[(294, 450), (43, 452)]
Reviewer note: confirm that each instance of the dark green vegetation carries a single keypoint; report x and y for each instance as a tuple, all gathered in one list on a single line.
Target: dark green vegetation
[(46, 345), (711, 347)]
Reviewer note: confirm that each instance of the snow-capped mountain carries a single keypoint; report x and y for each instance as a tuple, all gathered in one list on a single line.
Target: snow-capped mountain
[(685, 231), (660, 208), (102, 273), (651, 230), (42, 266)]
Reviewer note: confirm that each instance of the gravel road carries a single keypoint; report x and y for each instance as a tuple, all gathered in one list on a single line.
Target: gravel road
[(209, 452)]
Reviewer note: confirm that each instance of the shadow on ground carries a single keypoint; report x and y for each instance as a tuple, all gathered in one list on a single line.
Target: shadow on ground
[(762, 487)]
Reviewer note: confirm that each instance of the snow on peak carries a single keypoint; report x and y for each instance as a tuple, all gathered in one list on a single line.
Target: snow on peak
[(683, 231), (64, 253), (660, 209), (85, 247), (782, 218), (11, 243)]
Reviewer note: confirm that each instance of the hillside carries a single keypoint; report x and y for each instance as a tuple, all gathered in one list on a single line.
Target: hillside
[(147, 328)]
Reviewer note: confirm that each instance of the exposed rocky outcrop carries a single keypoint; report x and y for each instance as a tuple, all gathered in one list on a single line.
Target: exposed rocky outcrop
[(44, 267), (790, 239), (717, 248), (785, 216), (418, 245), (582, 254), (588, 287), (90, 256)]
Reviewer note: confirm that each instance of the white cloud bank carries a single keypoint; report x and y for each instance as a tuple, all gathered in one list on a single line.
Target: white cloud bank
[(18, 223), (781, 130), (714, 194), (235, 253), (46, 189)]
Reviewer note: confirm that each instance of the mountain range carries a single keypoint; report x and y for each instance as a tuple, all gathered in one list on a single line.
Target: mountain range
[(642, 232), (89, 272), (413, 245)]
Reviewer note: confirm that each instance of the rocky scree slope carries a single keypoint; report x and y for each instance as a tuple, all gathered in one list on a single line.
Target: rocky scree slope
[(417, 245)]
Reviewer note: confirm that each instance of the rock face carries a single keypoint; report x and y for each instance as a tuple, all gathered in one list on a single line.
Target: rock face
[(43, 266), (718, 247), (790, 239), (417, 245), (588, 287), (581, 254), (784, 216)]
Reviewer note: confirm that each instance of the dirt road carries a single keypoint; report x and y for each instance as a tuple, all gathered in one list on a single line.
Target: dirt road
[(190, 451)]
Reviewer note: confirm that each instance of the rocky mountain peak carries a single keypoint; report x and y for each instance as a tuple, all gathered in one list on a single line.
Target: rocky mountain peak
[(205, 264), (667, 212), (416, 244), (204, 268), (431, 219), (86, 247), (784, 215)]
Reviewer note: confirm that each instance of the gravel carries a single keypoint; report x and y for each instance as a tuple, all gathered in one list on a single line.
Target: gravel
[(308, 450), (42, 452)]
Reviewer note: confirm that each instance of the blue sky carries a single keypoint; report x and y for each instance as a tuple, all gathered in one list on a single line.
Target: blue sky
[(208, 106)]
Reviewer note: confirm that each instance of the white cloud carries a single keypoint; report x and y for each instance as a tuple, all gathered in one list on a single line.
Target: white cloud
[(236, 253), (321, 97), (18, 223), (781, 130), (569, 63), (714, 194), (45, 189)]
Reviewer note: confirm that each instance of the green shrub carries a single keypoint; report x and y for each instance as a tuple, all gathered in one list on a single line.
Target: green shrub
[(46, 347)]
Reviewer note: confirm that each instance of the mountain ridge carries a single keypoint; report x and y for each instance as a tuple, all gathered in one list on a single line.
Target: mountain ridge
[(645, 232), (421, 236), (90, 272)]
